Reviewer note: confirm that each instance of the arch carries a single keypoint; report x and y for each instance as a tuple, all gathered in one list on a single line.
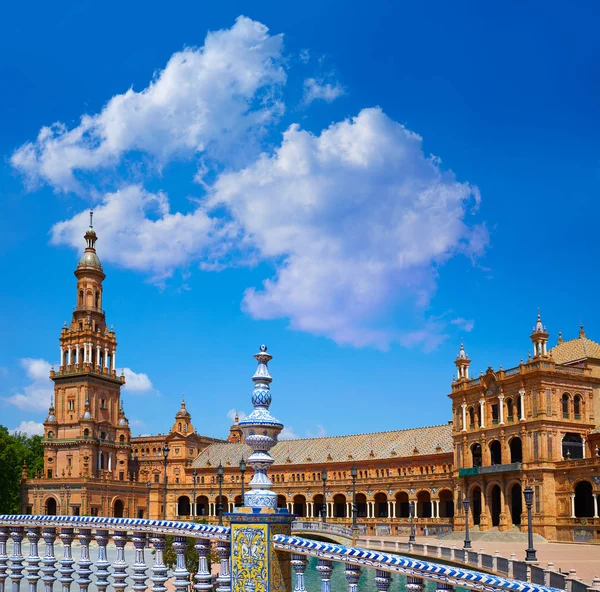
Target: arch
[(299, 505), (476, 504), (50, 435), (577, 407), (495, 452), (183, 506), (402, 505), (339, 506), (564, 405), (471, 418), (516, 450), (224, 504), (424, 504), (202, 505), (516, 504), (318, 506), (118, 509), (97, 299), (121, 439), (495, 504), (510, 409), (51, 506), (572, 446), (361, 505), (237, 501), (89, 298), (476, 454), (86, 433), (446, 503), (584, 500), (80, 297), (281, 501), (381, 505)]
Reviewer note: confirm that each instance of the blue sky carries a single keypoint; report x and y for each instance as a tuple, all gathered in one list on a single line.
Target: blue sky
[(357, 185)]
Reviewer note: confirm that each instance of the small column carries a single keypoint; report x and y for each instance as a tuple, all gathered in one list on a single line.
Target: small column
[(583, 447), (62, 361), (120, 565), (114, 359), (437, 508), (224, 579), (393, 509), (182, 575), (66, 563), (522, 404), (34, 559), (309, 510), (383, 580), (49, 560), (139, 563), (102, 564), (84, 572), (501, 409), (76, 354), (106, 358), (299, 563), (414, 584), (3, 556), (389, 512), (69, 359), (416, 509), (159, 569), (17, 534), (596, 505), (325, 568), (464, 417), (482, 412), (573, 505), (98, 356), (348, 509), (202, 577), (352, 573)]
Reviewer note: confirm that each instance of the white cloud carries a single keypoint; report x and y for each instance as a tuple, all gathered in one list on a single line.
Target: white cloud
[(321, 432), (31, 428), (288, 433), (304, 56), (318, 89), (210, 101), (355, 219), (464, 324), (136, 383), (233, 412), (36, 396)]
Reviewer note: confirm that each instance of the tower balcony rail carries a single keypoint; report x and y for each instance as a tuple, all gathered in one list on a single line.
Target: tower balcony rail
[(490, 470), (120, 532), (84, 308)]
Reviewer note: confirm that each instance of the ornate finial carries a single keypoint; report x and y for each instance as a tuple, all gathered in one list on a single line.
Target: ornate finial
[(91, 218), (260, 431), (581, 330), (560, 339), (539, 327), (65, 324)]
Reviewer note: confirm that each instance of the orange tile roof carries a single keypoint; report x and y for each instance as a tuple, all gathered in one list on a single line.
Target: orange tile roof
[(575, 349), (358, 447)]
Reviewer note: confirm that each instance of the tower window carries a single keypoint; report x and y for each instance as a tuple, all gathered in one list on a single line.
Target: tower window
[(50, 435), (71, 405), (80, 298)]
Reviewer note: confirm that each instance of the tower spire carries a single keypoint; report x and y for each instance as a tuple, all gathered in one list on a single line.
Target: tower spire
[(91, 218), (260, 431), (462, 363)]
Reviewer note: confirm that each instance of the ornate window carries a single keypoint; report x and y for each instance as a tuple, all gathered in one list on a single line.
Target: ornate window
[(577, 406), (564, 402)]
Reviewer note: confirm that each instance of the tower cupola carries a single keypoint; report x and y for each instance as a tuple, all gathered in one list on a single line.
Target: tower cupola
[(539, 338), (462, 363)]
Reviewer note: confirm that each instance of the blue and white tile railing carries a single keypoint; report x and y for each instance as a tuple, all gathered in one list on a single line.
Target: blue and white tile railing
[(122, 575)]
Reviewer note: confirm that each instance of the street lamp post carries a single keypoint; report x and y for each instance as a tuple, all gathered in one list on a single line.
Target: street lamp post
[(68, 490), (467, 543), (194, 475), (354, 474), (411, 513), (530, 553), (243, 471), (165, 452), (220, 504), (148, 500), (324, 508)]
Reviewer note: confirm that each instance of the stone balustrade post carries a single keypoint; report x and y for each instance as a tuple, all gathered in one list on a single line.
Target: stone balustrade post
[(17, 534), (203, 577), (66, 563), (383, 580), (102, 563), (159, 569), (182, 575), (84, 572), (139, 563), (49, 560), (34, 559), (3, 557), (224, 579), (325, 568), (299, 563), (120, 565), (353, 573), (414, 584)]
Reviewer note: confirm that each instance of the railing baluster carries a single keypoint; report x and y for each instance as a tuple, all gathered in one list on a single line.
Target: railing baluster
[(49, 560), (33, 561), (102, 564), (224, 579), (120, 565), (382, 580), (299, 563), (353, 573), (84, 563), (444, 586), (3, 557), (159, 569), (66, 563), (414, 584), (203, 577), (182, 575), (139, 565), (16, 561), (325, 568)]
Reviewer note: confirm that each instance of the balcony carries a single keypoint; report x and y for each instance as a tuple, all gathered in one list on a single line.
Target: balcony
[(491, 470), (88, 309)]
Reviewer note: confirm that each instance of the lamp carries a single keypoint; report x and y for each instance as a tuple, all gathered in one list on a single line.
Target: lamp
[(243, 471), (194, 475), (165, 452), (411, 513), (220, 504), (324, 508), (354, 474), (467, 543), (530, 553)]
